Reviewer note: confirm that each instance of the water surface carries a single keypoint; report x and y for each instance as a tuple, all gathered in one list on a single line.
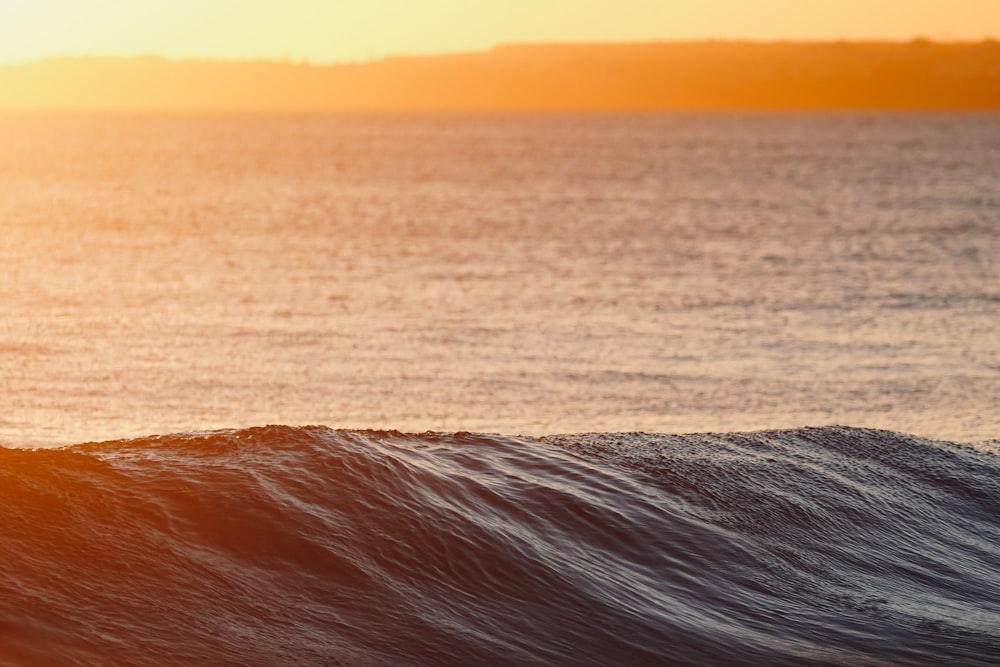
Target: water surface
[(513, 273)]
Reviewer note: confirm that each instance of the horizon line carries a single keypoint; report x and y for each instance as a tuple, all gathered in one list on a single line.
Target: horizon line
[(713, 74), (297, 61)]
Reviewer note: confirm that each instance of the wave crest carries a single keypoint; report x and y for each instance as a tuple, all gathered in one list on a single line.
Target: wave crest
[(281, 545)]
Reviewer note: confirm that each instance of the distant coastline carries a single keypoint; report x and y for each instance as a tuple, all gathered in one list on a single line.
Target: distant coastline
[(917, 75)]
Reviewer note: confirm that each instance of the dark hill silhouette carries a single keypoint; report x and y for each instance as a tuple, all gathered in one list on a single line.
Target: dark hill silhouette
[(695, 75)]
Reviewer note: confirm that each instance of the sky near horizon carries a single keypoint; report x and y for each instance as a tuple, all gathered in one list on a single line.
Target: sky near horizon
[(332, 31)]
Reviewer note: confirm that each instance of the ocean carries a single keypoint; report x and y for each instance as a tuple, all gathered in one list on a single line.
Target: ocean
[(410, 389)]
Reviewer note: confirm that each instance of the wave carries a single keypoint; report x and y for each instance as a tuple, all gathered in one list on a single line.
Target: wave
[(313, 546)]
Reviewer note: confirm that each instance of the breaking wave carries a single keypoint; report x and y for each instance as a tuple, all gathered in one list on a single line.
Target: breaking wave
[(312, 546)]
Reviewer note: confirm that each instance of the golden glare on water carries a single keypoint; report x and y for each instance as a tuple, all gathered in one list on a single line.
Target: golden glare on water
[(512, 273)]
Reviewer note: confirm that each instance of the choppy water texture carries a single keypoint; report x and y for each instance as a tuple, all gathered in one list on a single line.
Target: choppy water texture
[(311, 546), (518, 274)]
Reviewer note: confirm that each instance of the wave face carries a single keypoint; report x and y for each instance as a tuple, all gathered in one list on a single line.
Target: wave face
[(311, 546)]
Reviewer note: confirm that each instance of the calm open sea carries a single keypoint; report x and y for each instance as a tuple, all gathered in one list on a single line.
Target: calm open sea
[(514, 273)]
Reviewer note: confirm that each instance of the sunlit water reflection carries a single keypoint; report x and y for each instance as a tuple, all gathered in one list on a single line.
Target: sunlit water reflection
[(511, 273)]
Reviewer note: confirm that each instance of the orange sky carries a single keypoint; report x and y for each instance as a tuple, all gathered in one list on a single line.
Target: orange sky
[(348, 30)]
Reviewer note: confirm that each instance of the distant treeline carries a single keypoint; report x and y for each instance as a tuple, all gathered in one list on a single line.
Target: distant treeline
[(695, 75)]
